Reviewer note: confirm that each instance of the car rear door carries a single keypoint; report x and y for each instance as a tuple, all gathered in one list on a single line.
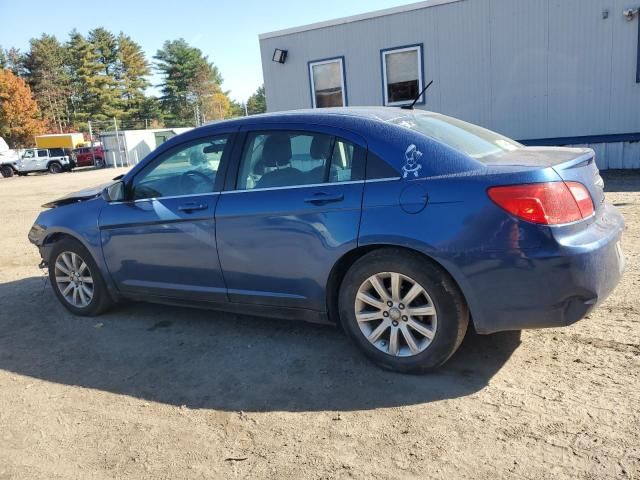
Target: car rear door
[(42, 159), (161, 241), (291, 208)]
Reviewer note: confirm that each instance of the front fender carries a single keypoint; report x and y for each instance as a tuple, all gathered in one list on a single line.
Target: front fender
[(79, 221)]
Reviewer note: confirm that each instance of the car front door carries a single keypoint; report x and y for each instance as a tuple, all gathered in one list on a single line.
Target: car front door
[(291, 213), (29, 161), (161, 241)]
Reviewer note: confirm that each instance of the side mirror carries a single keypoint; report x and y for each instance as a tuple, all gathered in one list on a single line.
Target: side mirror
[(114, 192)]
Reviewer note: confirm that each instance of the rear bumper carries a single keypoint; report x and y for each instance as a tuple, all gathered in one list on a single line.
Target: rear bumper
[(552, 286)]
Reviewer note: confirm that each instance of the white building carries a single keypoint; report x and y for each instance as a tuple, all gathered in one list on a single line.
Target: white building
[(553, 72), (130, 146)]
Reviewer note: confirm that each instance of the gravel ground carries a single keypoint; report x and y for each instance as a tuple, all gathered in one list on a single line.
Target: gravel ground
[(159, 392)]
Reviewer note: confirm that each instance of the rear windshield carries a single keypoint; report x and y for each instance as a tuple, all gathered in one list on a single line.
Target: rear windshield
[(477, 142)]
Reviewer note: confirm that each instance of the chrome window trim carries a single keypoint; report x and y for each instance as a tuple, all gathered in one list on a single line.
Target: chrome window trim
[(310, 185), (151, 199), (387, 179)]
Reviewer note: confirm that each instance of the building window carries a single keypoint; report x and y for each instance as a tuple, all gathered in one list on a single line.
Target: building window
[(327, 83), (402, 74)]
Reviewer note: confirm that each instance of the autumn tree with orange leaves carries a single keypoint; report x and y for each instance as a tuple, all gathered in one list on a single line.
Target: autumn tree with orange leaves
[(19, 116)]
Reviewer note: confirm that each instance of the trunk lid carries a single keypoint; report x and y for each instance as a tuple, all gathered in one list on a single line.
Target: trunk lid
[(571, 164)]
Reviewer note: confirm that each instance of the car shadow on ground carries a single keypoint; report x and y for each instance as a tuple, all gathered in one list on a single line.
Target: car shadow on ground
[(207, 359)]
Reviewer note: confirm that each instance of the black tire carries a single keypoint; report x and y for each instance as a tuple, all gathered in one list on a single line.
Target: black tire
[(6, 171), (451, 308), (99, 163), (54, 167), (101, 300)]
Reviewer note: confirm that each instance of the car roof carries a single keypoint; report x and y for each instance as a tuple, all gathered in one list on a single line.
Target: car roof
[(334, 114)]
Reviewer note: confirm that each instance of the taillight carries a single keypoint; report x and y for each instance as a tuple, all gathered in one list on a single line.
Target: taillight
[(582, 198), (550, 203)]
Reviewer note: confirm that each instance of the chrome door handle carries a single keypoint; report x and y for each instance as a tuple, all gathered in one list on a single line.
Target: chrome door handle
[(322, 198), (192, 207)]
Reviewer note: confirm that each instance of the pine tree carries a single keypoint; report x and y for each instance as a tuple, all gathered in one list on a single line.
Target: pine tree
[(84, 69), (132, 72), (236, 109), (151, 113), (14, 61), (19, 116), (48, 78), (257, 102), (104, 88), (93, 64), (188, 78)]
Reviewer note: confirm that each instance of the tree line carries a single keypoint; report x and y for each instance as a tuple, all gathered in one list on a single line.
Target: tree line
[(60, 86)]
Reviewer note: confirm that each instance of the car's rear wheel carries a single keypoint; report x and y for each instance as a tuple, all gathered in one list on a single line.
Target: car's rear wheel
[(55, 167), (99, 163), (76, 279), (403, 311), (6, 171)]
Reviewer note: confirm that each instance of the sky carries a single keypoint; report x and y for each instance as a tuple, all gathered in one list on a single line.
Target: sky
[(225, 30)]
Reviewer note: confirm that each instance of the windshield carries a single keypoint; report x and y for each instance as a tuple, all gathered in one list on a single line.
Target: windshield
[(477, 142)]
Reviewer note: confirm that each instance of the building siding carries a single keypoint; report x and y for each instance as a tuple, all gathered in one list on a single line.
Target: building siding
[(529, 69)]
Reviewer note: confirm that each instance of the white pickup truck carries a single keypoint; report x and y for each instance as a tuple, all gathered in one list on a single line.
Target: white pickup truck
[(54, 160)]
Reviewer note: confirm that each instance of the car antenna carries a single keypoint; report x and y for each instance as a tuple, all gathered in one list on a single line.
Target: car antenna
[(410, 107)]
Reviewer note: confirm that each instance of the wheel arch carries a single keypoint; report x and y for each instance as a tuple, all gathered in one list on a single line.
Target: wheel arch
[(56, 236), (11, 167), (344, 263)]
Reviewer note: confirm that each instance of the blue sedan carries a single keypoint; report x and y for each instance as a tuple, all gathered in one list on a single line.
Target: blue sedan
[(401, 226)]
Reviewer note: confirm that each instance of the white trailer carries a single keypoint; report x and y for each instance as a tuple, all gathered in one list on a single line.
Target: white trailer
[(129, 147)]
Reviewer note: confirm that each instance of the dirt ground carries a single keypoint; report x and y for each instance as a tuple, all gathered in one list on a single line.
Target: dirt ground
[(159, 392)]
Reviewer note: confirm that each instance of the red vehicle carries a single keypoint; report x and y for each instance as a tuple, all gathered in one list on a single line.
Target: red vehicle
[(85, 156)]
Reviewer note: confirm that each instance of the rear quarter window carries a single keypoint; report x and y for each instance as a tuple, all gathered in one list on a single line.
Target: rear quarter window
[(377, 168)]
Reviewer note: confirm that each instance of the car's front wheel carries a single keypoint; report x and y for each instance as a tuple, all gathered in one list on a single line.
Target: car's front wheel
[(6, 171), (403, 311), (76, 279)]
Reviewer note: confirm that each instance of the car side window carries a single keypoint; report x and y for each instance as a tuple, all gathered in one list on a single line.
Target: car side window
[(29, 154), (189, 169), (342, 161), (42, 153), (287, 159), (377, 168)]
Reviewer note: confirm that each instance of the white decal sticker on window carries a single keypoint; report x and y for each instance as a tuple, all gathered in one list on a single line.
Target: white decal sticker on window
[(412, 162)]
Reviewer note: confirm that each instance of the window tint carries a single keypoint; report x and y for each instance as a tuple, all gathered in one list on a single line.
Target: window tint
[(55, 152), (282, 159), (188, 170), (378, 168), (327, 83), (402, 73), (342, 161), (42, 153)]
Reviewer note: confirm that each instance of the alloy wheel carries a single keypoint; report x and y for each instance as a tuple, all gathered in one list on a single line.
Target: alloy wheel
[(395, 314), (74, 279)]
